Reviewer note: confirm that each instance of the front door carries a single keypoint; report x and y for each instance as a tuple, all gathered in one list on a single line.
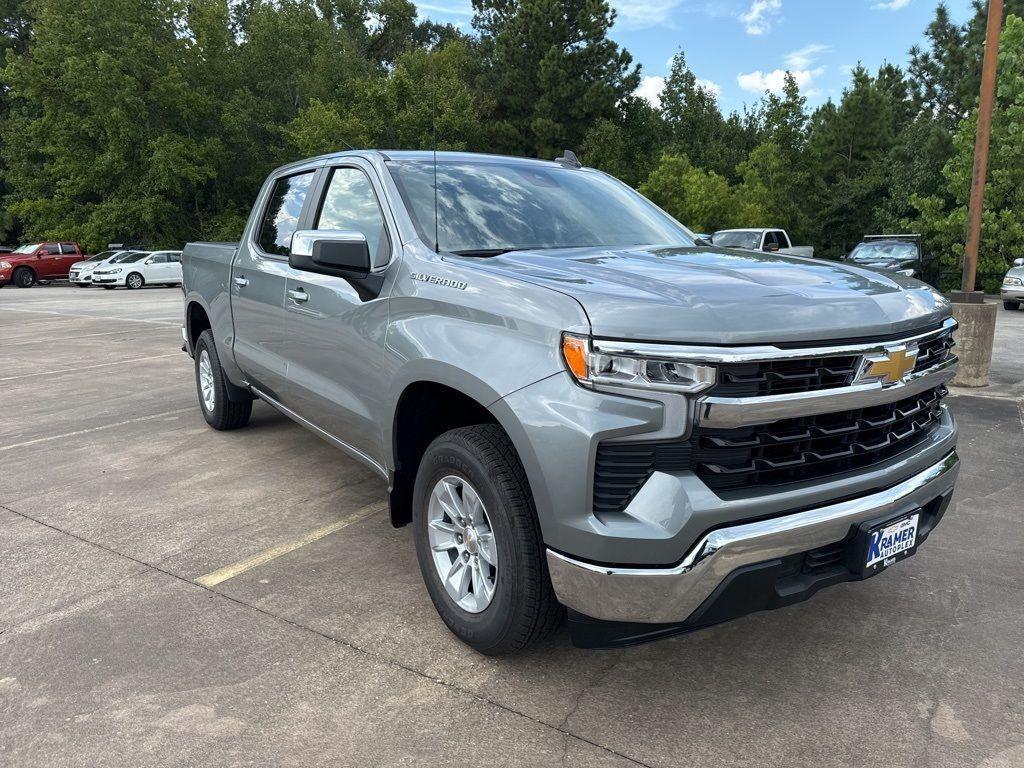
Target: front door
[(333, 373), (258, 283), (48, 262)]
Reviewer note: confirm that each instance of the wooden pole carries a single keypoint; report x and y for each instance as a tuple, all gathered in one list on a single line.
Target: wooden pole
[(988, 89)]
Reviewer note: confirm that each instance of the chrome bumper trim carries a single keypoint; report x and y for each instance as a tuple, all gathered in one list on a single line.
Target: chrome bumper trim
[(731, 412), (756, 354), (666, 595)]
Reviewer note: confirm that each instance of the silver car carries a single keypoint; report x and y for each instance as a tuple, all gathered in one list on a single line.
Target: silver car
[(1012, 291)]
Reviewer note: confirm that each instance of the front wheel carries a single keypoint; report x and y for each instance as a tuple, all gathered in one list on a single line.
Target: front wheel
[(23, 277), (134, 281), (1013, 306), (478, 542), (219, 411)]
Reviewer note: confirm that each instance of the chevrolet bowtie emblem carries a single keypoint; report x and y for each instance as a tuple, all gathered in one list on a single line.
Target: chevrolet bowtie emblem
[(891, 367)]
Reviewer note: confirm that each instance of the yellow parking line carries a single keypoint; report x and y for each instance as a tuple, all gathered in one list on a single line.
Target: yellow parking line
[(230, 571)]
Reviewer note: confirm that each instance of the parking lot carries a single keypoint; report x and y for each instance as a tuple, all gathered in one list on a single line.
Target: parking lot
[(171, 595)]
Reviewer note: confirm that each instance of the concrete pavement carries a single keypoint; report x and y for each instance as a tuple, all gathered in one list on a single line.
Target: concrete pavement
[(115, 498)]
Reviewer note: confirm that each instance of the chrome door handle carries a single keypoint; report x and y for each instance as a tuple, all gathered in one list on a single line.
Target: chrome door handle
[(241, 282), (299, 295)]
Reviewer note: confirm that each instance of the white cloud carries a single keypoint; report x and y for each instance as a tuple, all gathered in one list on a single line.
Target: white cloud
[(711, 86), (806, 56), (759, 18), (645, 13), (445, 10), (774, 81), (891, 5), (650, 89)]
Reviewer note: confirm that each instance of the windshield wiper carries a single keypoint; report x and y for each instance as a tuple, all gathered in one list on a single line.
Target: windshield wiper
[(483, 251)]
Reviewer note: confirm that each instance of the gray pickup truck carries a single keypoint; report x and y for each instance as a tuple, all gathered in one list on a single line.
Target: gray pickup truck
[(578, 408)]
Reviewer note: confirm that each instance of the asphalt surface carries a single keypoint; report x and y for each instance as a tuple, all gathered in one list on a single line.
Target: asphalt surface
[(116, 499)]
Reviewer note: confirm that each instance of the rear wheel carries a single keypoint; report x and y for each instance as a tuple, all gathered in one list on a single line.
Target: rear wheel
[(478, 542), (134, 281), (1013, 306), (219, 411), (23, 277)]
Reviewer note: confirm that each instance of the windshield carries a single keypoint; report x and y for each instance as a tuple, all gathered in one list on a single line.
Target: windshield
[(737, 239), (28, 248), (122, 256), (131, 258), (101, 256), (496, 206), (884, 252)]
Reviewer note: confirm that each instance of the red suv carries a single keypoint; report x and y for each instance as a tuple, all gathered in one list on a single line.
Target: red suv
[(38, 261)]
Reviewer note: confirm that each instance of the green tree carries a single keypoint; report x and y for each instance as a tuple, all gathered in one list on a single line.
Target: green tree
[(552, 71), (1002, 232), (629, 146), (701, 200)]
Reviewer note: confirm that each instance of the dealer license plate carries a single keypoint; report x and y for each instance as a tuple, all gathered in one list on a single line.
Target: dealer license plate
[(891, 543)]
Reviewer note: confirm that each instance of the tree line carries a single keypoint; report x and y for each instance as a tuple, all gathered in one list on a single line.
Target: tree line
[(155, 121)]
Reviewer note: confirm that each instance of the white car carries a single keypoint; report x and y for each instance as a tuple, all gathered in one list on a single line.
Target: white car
[(141, 268), (80, 273), (767, 240)]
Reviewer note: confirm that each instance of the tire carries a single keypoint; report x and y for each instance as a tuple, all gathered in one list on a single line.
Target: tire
[(81, 285), (522, 609), (134, 281), (219, 411), (1013, 306), (23, 277)]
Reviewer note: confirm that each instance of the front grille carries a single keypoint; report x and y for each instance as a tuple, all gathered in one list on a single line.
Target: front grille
[(794, 450), (934, 351), (813, 446), (780, 377)]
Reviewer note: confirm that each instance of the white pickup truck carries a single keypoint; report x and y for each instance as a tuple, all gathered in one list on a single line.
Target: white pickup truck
[(768, 240)]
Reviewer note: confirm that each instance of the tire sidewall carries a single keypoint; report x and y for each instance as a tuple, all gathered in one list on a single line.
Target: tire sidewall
[(485, 629)]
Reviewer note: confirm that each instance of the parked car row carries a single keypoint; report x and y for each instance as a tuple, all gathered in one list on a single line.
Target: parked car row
[(40, 262)]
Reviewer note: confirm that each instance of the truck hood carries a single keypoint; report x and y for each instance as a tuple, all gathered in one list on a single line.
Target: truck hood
[(722, 296)]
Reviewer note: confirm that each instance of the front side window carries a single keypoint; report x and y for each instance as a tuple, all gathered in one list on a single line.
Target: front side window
[(496, 205), (51, 249), (158, 258), (281, 217), (350, 204)]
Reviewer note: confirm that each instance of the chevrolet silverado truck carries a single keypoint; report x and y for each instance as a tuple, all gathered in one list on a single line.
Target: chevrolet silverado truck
[(577, 408)]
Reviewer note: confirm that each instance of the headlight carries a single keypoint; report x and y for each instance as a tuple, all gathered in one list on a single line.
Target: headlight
[(115, 271), (591, 368), (5, 265), (1006, 280)]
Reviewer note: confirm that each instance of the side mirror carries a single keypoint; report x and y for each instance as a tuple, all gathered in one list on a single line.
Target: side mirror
[(771, 248), (330, 252), (1018, 262)]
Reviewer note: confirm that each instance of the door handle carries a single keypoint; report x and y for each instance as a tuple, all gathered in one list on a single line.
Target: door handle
[(299, 295), (241, 282)]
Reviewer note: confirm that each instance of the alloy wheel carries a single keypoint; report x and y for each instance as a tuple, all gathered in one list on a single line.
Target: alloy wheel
[(206, 381), (462, 543)]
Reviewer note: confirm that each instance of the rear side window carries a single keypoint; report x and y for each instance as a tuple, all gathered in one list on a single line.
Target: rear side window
[(68, 248), (350, 204), (281, 217)]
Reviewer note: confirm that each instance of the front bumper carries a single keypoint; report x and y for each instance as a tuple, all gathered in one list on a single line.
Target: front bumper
[(105, 280), (680, 595), (1012, 293)]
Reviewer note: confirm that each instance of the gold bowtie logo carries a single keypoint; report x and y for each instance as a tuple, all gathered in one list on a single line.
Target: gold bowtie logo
[(893, 366)]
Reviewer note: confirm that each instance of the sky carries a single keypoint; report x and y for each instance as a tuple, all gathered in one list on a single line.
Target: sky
[(740, 48)]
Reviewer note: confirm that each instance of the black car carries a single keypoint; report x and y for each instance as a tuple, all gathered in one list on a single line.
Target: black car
[(897, 253)]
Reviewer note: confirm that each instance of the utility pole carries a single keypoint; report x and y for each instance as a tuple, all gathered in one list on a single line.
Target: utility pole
[(985, 104), (976, 318)]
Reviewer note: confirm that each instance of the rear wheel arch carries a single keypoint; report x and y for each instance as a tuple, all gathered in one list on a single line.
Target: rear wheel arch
[(196, 321)]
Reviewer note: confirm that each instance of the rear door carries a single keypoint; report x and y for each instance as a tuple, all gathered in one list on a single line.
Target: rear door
[(258, 281), (333, 368), (69, 254)]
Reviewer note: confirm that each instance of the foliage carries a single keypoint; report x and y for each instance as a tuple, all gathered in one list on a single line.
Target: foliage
[(1002, 231), (155, 121)]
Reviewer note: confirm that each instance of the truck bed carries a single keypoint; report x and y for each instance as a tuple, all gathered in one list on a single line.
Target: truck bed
[(206, 267)]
